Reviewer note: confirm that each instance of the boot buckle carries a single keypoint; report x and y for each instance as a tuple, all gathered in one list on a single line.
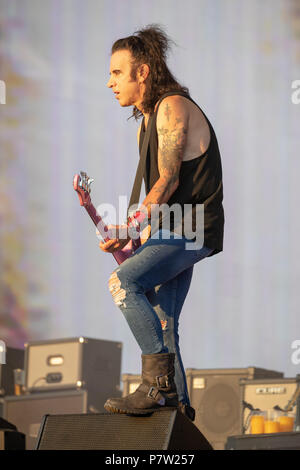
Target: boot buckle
[(155, 395), (151, 392), (164, 383)]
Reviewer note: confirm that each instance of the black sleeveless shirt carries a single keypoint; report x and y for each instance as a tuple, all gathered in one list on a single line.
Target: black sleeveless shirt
[(200, 182)]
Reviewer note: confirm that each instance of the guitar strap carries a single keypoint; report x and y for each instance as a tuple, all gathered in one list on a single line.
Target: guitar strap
[(136, 190)]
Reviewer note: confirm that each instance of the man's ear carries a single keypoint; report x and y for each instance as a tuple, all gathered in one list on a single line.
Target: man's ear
[(143, 72)]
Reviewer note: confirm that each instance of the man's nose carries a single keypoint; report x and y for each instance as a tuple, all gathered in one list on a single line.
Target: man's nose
[(109, 83)]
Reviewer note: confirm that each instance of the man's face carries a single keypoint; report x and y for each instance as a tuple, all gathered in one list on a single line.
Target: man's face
[(127, 90)]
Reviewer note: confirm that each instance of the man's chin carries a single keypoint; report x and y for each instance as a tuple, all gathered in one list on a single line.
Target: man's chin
[(124, 105)]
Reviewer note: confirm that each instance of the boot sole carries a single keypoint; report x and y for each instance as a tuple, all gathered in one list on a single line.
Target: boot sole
[(136, 412)]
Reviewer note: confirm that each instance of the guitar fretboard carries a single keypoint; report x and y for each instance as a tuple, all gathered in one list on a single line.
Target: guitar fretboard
[(120, 256)]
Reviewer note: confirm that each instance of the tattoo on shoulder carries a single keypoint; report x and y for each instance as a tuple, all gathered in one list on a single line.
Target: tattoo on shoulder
[(167, 111)]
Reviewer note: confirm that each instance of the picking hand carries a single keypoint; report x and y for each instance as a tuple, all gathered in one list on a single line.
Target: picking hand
[(118, 238)]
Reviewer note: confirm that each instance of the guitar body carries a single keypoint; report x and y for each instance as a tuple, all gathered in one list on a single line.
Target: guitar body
[(82, 185)]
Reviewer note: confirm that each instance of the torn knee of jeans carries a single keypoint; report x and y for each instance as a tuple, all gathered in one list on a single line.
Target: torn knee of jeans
[(117, 292)]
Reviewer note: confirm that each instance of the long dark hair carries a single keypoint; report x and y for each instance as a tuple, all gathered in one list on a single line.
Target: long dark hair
[(150, 45)]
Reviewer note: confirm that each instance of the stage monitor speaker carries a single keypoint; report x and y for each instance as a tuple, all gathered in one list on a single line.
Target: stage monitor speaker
[(90, 364), (265, 394), (11, 440), (164, 429), (14, 360), (27, 411), (275, 441), (215, 395)]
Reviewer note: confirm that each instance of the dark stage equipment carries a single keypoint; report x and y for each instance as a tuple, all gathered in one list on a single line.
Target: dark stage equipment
[(274, 441), (27, 411), (165, 429), (10, 438)]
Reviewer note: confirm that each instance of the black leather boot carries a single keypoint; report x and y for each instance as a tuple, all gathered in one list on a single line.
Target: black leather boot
[(156, 392)]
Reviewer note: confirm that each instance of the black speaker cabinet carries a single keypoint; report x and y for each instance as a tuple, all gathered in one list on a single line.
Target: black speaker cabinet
[(11, 440), (14, 360), (275, 441), (165, 429), (75, 363), (26, 411), (215, 395)]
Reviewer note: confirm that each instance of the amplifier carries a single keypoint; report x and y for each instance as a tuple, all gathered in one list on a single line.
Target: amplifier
[(215, 395), (74, 363), (130, 383), (265, 394), (27, 411), (275, 441)]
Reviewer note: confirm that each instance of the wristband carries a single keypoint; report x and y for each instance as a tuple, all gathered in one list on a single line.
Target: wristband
[(135, 220)]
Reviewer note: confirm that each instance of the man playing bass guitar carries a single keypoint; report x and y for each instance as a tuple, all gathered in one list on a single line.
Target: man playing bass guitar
[(183, 169)]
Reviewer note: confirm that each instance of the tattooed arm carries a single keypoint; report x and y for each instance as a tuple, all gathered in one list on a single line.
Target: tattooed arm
[(172, 127)]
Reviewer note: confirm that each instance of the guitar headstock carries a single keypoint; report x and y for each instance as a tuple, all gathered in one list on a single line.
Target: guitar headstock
[(82, 185)]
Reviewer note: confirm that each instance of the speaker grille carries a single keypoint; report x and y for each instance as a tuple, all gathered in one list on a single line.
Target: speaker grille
[(220, 408), (88, 432)]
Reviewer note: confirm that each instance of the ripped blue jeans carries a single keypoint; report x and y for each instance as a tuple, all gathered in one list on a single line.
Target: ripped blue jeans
[(150, 288)]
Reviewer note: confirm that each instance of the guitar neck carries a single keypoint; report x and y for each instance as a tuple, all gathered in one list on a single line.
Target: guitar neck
[(101, 226), (120, 255), (81, 184)]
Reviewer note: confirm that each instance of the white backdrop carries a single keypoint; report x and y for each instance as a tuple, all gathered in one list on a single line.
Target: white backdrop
[(239, 59)]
